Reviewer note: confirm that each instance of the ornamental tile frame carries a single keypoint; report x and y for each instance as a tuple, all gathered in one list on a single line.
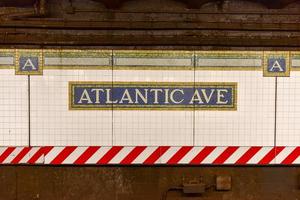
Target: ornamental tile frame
[(29, 62), (229, 86), (276, 64), (94, 59)]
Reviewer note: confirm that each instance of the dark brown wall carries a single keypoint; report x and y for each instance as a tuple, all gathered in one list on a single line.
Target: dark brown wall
[(233, 23)]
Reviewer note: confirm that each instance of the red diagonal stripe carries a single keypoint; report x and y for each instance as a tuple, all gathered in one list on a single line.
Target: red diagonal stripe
[(247, 155), (179, 155), (133, 155), (202, 155), (270, 155), (6, 153), (225, 155), (20, 155), (292, 156), (156, 155), (63, 155), (41, 152), (89, 152), (110, 155)]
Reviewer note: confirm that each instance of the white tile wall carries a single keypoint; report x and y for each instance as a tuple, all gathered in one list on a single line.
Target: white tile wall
[(13, 109), (153, 127), (52, 123), (288, 110), (253, 122)]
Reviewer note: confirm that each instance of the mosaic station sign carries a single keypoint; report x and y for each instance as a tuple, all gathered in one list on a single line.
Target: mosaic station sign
[(152, 95)]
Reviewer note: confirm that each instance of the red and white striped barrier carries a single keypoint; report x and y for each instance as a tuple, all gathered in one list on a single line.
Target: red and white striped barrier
[(142, 155)]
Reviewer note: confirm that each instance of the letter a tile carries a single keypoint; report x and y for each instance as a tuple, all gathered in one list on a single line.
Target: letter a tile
[(29, 62), (276, 64)]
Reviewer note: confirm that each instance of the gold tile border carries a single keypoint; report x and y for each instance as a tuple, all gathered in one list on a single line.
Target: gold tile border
[(153, 54), (232, 107)]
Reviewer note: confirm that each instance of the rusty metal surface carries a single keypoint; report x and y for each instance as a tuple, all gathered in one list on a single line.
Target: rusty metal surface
[(122, 183)]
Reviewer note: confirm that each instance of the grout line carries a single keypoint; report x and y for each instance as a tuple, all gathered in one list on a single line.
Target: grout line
[(275, 117), (112, 105), (29, 110), (194, 112)]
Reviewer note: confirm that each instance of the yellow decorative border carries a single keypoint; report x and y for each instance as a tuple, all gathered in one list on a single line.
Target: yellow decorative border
[(230, 53), (232, 85), (268, 54), (7, 67), (29, 52), (111, 54), (153, 54), (77, 53)]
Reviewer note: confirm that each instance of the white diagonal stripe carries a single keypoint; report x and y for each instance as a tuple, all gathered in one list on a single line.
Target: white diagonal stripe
[(144, 155), (167, 155), (31, 152), (2, 149), (259, 155), (213, 155), (41, 159), (121, 155), (98, 155), (284, 154), (74, 155), (297, 160), (13, 154), (236, 155), (52, 154), (190, 155)]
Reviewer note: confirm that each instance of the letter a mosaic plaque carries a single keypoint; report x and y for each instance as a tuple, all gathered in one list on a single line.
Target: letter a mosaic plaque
[(29, 62), (276, 64)]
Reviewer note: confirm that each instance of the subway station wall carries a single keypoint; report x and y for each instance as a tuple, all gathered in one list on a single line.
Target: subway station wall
[(149, 107)]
